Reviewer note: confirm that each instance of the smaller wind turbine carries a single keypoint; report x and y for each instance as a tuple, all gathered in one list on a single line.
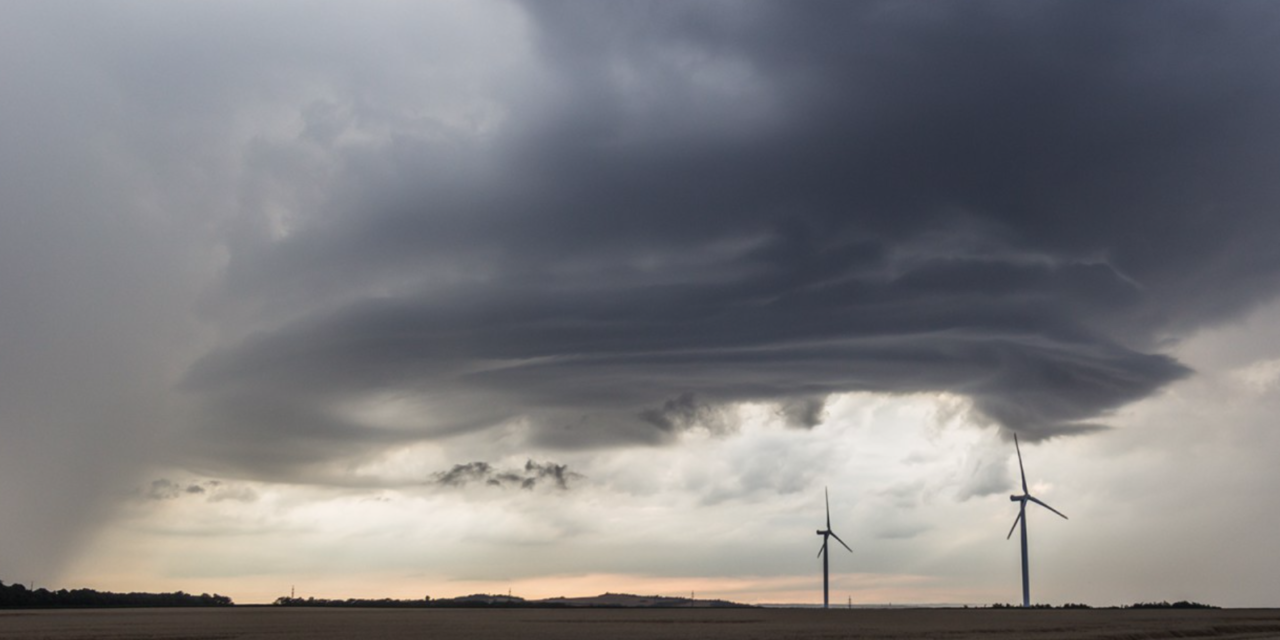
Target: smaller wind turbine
[(822, 553), (1022, 518)]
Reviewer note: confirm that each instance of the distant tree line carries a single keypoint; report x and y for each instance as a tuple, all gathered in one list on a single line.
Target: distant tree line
[(488, 601), (286, 601), (17, 596), (479, 601), (1181, 604)]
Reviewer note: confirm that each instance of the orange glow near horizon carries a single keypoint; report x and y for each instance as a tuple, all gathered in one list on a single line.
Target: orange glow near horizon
[(804, 590)]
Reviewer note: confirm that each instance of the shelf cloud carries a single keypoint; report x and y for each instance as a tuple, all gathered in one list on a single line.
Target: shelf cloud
[(719, 204)]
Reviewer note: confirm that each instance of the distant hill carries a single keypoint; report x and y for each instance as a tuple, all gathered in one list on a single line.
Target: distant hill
[(634, 601), (483, 600)]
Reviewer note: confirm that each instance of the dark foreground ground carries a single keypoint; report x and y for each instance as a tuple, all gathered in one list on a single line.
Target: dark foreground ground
[(624, 624)]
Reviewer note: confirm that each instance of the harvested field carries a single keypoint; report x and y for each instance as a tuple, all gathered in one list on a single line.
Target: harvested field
[(625, 624)]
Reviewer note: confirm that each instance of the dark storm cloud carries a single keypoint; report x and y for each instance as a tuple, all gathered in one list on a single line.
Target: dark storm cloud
[(711, 203), (528, 477)]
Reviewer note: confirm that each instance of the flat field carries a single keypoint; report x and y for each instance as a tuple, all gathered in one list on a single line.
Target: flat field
[(624, 624)]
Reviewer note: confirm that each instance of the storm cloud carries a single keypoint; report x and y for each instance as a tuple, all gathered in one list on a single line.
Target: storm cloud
[(276, 243), (716, 203)]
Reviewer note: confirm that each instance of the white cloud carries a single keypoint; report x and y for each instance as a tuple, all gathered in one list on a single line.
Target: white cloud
[(1261, 376)]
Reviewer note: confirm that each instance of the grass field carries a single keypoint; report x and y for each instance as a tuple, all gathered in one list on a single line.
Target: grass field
[(624, 624)]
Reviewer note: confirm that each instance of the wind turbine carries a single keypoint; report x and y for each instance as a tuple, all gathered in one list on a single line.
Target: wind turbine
[(1022, 518), (822, 553)]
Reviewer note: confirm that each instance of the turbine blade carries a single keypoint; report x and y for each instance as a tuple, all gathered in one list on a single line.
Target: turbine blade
[(1020, 469), (827, 497), (1037, 501), (833, 535), (824, 547), (1015, 524)]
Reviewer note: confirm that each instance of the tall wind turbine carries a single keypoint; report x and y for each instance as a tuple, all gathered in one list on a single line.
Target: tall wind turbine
[(822, 553), (1022, 518)]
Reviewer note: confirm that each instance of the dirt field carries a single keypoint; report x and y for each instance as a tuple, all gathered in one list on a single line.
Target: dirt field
[(624, 624)]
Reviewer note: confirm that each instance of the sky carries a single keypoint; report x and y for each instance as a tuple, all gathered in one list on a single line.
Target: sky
[(560, 298)]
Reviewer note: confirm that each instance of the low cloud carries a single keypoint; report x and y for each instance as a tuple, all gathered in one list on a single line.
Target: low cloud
[(163, 489), (684, 412), (530, 476), (803, 412)]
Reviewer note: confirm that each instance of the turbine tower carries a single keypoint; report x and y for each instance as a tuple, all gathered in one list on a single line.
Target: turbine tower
[(822, 553), (1022, 518)]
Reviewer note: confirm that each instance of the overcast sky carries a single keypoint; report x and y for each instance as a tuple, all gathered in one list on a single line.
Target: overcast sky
[(565, 297)]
